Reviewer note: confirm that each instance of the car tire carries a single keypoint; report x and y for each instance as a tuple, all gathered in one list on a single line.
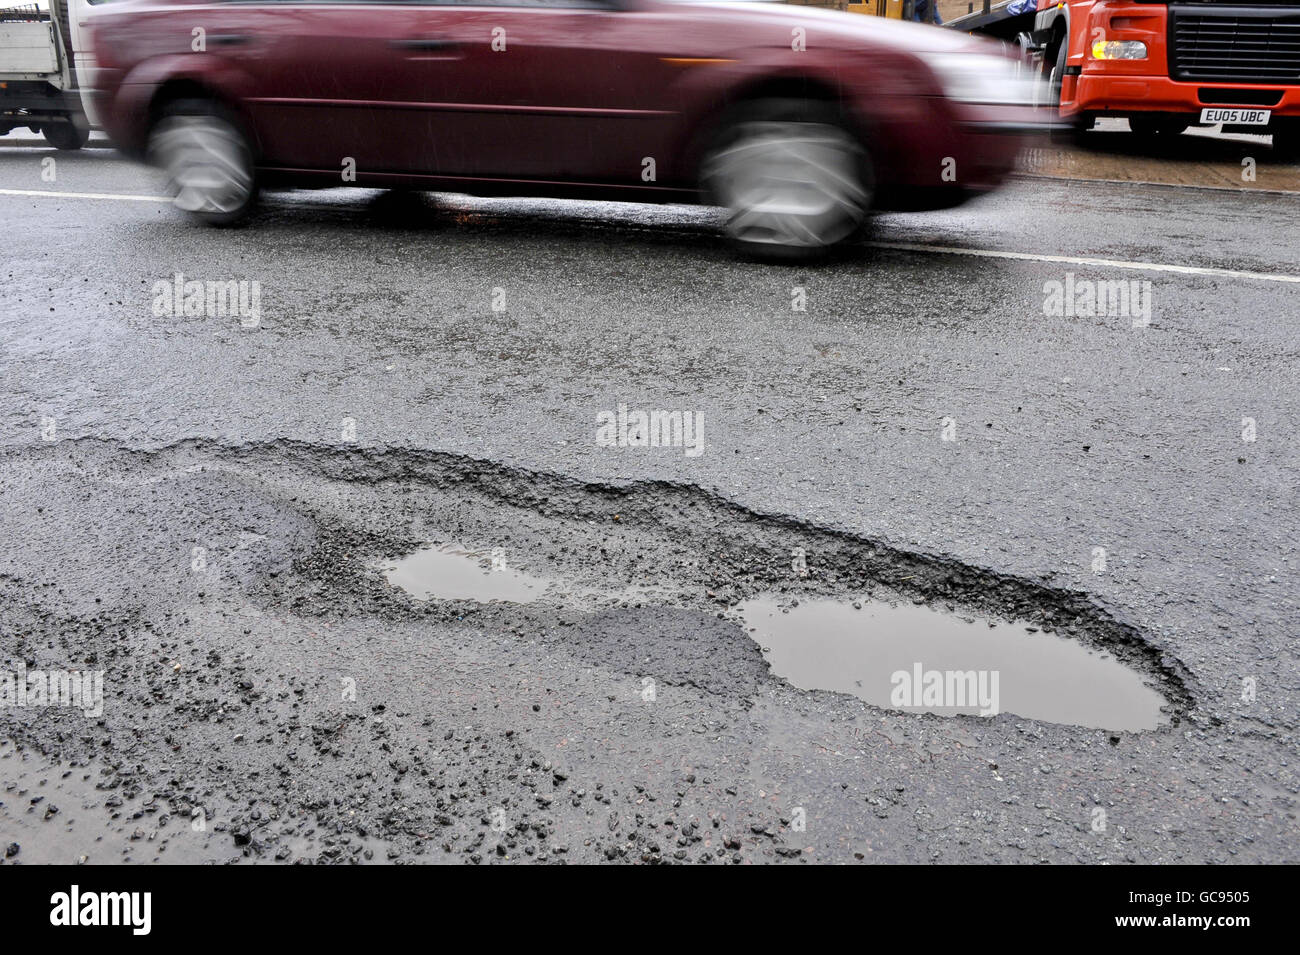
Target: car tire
[(207, 157), (794, 178), (68, 136)]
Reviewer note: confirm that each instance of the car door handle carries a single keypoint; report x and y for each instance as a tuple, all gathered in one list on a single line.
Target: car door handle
[(230, 39), (425, 43)]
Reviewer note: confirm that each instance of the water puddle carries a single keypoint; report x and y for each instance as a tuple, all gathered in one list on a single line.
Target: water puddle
[(456, 572), (918, 659), (65, 815)]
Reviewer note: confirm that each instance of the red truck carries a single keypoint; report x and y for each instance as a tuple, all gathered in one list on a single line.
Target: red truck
[(1163, 65)]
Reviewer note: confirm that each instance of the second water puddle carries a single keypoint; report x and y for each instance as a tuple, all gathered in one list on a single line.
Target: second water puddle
[(918, 659)]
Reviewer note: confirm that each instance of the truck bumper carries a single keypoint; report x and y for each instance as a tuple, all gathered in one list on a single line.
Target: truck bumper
[(1120, 95)]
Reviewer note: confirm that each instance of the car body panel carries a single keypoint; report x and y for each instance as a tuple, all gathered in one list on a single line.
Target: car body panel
[(578, 98)]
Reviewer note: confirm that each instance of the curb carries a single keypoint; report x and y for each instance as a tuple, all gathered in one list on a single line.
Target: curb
[(1162, 185)]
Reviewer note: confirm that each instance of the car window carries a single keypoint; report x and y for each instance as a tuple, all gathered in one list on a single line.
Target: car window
[(580, 4), (512, 3)]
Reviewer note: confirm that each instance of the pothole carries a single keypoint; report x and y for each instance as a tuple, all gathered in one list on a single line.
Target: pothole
[(922, 660), (902, 656), (598, 546), (456, 572)]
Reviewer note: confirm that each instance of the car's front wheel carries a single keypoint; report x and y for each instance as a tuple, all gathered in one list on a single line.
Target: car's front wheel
[(793, 178), (206, 156)]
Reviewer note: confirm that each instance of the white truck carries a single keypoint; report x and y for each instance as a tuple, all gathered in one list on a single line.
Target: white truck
[(45, 64)]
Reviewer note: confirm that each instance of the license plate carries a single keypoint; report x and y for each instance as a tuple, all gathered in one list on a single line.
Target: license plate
[(1235, 117)]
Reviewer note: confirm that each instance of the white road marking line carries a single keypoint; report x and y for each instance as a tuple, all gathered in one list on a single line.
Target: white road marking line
[(49, 194), (896, 246), (1091, 263)]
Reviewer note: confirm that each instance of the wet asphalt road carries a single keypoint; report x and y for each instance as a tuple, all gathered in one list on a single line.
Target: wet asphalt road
[(382, 400)]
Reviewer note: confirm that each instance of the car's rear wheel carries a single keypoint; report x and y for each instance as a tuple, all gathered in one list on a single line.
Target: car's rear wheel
[(795, 181), (208, 161)]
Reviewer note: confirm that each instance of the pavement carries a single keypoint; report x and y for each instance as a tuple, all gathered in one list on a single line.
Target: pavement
[(193, 503), (1202, 156)]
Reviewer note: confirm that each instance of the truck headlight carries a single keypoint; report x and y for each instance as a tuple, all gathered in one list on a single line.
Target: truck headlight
[(1119, 50), (984, 78)]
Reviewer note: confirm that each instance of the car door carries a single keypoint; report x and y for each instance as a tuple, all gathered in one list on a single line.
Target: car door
[(334, 86), (555, 90)]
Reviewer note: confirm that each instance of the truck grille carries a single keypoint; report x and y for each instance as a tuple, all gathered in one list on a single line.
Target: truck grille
[(1234, 44)]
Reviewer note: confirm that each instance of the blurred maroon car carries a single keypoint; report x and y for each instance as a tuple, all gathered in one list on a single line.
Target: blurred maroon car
[(798, 121)]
